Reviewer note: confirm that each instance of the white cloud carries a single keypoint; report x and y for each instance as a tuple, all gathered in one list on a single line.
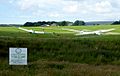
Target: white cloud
[(54, 14), (26, 4), (11, 1), (29, 4), (69, 8), (102, 7)]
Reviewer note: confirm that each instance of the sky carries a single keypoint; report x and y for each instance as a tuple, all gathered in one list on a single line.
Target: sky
[(21, 11)]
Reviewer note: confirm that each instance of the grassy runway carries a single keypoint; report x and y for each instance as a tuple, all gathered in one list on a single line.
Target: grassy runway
[(62, 54)]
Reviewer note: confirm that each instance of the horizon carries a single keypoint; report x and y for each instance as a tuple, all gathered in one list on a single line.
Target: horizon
[(50, 21), (21, 11)]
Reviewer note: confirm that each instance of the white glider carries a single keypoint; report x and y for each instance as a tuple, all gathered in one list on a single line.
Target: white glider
[(31, 31), (97, 32)]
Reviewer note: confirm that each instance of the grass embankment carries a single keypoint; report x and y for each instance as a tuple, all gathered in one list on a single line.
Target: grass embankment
[(64, 57)]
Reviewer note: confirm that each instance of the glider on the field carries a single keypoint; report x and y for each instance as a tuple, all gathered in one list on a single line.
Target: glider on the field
[(32, 31), (97, 32)]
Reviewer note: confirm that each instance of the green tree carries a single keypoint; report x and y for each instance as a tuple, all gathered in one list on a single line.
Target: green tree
[(116, 22), (28, 24), (63, 23), (78, 23)]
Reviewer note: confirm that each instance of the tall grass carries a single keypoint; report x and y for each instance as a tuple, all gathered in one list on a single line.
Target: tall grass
[(61, 55), (84, 50)]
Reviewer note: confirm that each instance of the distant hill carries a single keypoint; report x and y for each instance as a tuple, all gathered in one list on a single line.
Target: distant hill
[(9, 25), (98, 22)]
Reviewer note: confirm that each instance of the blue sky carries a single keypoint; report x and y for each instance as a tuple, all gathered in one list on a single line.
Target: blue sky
[(21, 11)]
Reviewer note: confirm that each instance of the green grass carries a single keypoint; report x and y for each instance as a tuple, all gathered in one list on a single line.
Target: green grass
[(91, 28), (15, 32), (61, 54)]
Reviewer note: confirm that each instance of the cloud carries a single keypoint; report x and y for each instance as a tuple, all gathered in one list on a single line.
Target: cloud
[(11, 1), (102, 7), (29, 4), (54, 14), (69, 8)]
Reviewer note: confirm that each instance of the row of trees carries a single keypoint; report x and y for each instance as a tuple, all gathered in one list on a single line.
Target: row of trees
[(54, 23), (116, 22)]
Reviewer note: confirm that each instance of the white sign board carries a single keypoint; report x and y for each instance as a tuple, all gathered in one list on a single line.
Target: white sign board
[(17, 56)]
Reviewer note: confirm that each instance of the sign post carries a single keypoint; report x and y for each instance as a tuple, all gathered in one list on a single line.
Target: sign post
[(17, 56)]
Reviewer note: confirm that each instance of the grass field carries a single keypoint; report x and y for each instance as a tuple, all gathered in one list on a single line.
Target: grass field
[(15, 32), (92, 28), (62, 53)]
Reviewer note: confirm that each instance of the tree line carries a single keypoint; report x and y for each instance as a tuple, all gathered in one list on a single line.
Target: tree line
[(54, 23), (62, 23), (116, 22)]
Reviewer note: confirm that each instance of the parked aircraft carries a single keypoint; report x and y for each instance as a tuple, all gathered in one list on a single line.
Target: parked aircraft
[(97, 32), (32, 31)]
